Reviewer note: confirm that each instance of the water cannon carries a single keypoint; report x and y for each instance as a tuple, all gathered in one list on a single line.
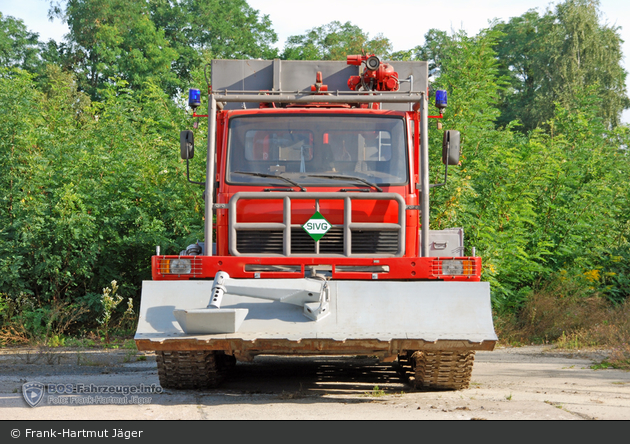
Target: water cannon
[(355, 60), (376, 76), (372, 63)]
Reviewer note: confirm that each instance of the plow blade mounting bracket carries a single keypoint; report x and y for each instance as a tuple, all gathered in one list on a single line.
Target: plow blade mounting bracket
[(312, 294)]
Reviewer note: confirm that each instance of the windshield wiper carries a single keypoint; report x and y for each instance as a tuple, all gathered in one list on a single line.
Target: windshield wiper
[(350, 178), (271, 176)]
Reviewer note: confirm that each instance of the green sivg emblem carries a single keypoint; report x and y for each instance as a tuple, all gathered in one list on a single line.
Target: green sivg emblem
[(317, 226)]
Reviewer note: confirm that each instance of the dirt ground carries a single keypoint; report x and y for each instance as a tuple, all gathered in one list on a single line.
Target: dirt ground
[(534, 382)]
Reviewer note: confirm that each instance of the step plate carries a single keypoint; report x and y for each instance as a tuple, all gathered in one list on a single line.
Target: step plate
[(205, 321)]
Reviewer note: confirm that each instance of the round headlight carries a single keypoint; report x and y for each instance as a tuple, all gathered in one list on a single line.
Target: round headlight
[(180, 266)]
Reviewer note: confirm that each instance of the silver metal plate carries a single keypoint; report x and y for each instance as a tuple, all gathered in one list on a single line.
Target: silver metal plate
[(360, 310), (210, 320)]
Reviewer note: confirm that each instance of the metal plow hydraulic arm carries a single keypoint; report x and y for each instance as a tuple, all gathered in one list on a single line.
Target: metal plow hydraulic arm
[(312, 294)]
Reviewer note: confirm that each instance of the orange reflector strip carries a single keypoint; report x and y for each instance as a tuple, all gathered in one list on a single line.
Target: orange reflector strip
[(165, 266), (468, 267)]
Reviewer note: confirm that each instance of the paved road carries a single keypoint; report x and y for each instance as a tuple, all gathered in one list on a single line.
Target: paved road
[(508, 383)]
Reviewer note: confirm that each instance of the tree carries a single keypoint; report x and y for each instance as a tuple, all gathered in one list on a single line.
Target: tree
[(112, 39), (159, 40), (334, 41), (203, 29), (554, 57), (18, 46), (437, 48)]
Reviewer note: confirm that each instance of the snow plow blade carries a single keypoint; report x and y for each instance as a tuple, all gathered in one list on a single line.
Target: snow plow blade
[(383, 318)]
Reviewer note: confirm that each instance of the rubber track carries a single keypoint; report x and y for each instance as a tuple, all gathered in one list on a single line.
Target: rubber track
[(442, 370), (190, 369)]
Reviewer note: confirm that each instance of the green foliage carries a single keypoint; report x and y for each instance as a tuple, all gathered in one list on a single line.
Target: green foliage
[(18, 46), (201, 30), (334, 41), (554, 57), (535, 204), (115, 39), (611, 275), (438, 47), (157, 40), (109, 304), (24, 319), (376, 392), (88, 189)]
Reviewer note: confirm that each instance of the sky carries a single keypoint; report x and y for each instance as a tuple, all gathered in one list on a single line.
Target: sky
[(403, 22)]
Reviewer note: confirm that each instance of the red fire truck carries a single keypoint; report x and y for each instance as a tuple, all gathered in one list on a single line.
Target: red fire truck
[(317, 238)]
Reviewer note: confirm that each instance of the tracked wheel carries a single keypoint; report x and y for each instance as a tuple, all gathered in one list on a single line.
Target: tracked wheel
[(192, 369), (404, 365), (438, 370)]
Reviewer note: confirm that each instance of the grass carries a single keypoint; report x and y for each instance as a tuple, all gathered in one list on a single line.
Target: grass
[(26, 321), (555, 404), (82, 359), (80, 342), (569, 317), (130, 344), (602, 365), (376, 392)]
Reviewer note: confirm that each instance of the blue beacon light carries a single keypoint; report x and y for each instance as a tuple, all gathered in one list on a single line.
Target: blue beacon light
[(441, 100), (194, 98)]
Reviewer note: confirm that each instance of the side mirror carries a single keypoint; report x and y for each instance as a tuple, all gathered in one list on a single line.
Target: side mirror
[(450, 148), (187, 144)]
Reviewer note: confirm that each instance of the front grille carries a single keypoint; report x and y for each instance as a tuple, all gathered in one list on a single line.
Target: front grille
[(374, 242), (268, 238), (270, 242), (302, 243), (264, 242)]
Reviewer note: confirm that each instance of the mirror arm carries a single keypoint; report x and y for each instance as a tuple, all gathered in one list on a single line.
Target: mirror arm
[(445, 176), (448, 153), (188, 175)]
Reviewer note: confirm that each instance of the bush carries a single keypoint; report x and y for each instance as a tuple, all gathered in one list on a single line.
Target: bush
[(88, 190)]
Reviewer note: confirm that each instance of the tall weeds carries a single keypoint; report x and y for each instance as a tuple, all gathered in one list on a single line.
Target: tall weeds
[(566, 313)]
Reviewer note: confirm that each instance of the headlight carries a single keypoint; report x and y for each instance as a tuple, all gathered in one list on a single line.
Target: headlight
[(176, 266), (457, 267)]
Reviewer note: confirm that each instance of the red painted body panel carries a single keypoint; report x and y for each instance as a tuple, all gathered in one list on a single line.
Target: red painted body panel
[(409, 267), (399, 268)]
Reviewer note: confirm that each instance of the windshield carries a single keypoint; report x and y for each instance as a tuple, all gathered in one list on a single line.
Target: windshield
[(305, 146)]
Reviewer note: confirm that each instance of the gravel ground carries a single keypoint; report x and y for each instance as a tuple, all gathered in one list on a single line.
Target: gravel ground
[(533, 382)]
